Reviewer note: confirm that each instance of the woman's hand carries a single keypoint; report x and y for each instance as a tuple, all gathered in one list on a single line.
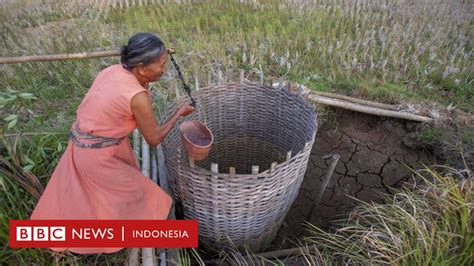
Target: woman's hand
[(143, 112), (186, 110)]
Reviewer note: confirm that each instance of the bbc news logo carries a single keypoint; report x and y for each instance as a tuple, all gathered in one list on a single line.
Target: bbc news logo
[(41, 233), (104, 233)]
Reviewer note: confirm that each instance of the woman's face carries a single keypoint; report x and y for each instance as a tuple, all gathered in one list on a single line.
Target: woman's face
[(152, 72)]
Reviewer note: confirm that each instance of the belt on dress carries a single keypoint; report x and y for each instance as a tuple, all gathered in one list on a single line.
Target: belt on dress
[(98, 141)]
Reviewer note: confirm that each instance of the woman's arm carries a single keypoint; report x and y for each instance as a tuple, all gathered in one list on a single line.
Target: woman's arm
[(151, 131)]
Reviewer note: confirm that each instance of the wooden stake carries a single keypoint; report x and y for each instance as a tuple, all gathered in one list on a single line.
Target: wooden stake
[(273, 167), (209, 79), (215, 168), (220, 79), (196, 82), (255, 169), (232, 172)]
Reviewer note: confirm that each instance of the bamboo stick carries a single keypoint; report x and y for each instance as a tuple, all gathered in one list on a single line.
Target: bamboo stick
[(136, 144), (133, 257), (168, 254), (163, 172), (56, 57), (134, 252), (163, 260), (148, 258), (154, 177), (154, 167), (367, 109), (356, 100)]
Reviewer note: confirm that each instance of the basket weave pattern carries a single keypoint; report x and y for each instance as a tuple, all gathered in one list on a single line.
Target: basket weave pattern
[(262, 142)]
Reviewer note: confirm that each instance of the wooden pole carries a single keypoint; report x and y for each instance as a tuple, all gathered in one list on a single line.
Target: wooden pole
[(356, 100), (136, 144), (134, 252), (170, 255), (56, 57), (154, 177), (367, 109), (148, 258)]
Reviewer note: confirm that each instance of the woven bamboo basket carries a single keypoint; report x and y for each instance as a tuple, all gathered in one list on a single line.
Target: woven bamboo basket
[(243, 190)]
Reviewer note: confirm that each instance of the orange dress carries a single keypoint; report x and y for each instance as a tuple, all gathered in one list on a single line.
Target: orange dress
[(103, 183)]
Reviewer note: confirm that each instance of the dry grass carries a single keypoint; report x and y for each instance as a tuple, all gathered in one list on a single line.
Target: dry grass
[(429, 226)]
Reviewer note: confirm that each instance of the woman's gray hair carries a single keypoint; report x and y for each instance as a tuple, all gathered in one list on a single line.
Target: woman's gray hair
[(143, 48)]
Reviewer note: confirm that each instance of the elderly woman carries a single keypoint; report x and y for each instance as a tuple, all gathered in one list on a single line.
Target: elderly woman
[(97, 176)]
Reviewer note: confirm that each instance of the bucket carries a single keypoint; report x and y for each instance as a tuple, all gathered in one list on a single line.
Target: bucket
[(196, 138)]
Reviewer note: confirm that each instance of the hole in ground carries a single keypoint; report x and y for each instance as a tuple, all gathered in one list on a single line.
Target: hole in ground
[(375, 155)]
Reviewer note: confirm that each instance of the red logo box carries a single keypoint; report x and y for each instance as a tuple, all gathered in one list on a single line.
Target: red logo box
[(104, 233)]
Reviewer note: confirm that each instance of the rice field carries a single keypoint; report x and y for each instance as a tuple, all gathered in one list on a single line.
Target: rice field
[(390, 51)]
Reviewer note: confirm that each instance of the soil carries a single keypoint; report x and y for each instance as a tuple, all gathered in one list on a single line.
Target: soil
[(376, 157)]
